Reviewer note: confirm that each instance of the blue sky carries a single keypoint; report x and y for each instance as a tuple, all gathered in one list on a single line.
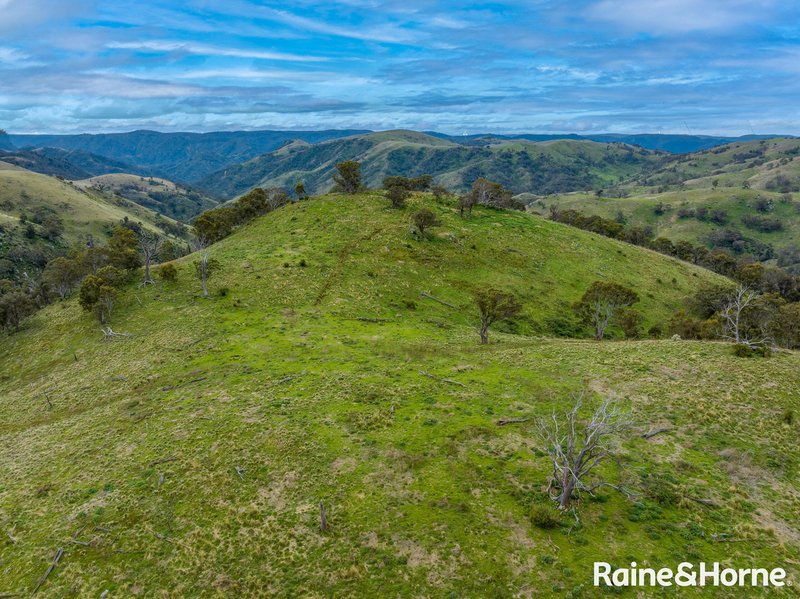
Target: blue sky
[(672, 66)]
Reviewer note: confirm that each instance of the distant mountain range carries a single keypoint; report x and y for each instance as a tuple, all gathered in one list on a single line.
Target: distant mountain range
[(228, 163), (521, 165), (189, 157), (183, 157)]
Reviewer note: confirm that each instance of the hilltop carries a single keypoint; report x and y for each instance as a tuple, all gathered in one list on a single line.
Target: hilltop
[(521, 165), (316, 372)]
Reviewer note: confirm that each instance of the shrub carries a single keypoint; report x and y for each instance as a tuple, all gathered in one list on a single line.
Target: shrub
[(546, 517), (424, 219), (397, 196), (742, 350), (168, 272)]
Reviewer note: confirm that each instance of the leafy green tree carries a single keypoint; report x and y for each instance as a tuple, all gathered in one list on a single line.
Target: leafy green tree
[(53, 227), (14, 307), (61, 275), (602, 301), (423, 220), (215, 224), (300, 190), (494, 305), (348, 177), (99, 292), (122, 249)]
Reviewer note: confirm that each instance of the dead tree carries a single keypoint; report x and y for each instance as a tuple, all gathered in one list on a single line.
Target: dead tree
[(737, 325), (204, 265), (577, 448), (149, 246)]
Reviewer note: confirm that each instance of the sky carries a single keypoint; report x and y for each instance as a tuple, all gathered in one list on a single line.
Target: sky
[(728, 67)]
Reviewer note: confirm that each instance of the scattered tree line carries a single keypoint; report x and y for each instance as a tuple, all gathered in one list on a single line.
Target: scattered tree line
[(761, 278)]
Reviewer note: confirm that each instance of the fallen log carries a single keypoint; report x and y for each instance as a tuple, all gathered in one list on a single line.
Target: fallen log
[(656, 431), (436, 299), (505, 421), (436, 378), (51, 567)]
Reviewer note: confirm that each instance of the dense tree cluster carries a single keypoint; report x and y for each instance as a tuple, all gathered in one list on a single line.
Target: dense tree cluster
[(97, 271), (218, 223)]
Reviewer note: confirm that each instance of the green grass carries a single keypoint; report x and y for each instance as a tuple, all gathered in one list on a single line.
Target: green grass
[(23, 191), (310, 381), (639, 209)]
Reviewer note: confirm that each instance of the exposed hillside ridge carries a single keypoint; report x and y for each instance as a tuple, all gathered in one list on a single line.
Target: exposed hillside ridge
[(539, 167), (316, 373), (733, 197)]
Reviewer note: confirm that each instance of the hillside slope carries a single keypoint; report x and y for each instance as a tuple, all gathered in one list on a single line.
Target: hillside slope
[(772, 164), (32, 196), (743, 191), (205, 442), (523, 166), (160, 195)]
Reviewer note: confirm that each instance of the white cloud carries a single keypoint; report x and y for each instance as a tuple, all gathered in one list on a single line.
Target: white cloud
[(205, 50), (680, 16)]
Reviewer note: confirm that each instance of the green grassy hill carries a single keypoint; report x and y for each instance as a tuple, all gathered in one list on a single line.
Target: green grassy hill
[(83, 212), (521, 165), (770, 164), (190, 458), (160, 195), (751, 186), (736, 203)]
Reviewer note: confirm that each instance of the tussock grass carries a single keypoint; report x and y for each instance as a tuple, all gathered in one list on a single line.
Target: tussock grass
[(191, 458)]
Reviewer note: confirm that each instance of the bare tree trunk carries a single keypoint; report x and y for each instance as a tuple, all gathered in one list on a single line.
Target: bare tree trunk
[(204, 276), (484, 333), (565, 497)]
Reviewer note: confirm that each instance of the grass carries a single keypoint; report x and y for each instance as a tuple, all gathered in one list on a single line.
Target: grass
[(190, 458), (639, 209), (23, 191)]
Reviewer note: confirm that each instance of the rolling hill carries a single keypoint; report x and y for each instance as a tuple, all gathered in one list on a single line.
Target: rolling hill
[(539, 167), (159, 195), (191, 458), (189, 157), (182, 157), (772, 165), (744, 190), (29, 196)]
